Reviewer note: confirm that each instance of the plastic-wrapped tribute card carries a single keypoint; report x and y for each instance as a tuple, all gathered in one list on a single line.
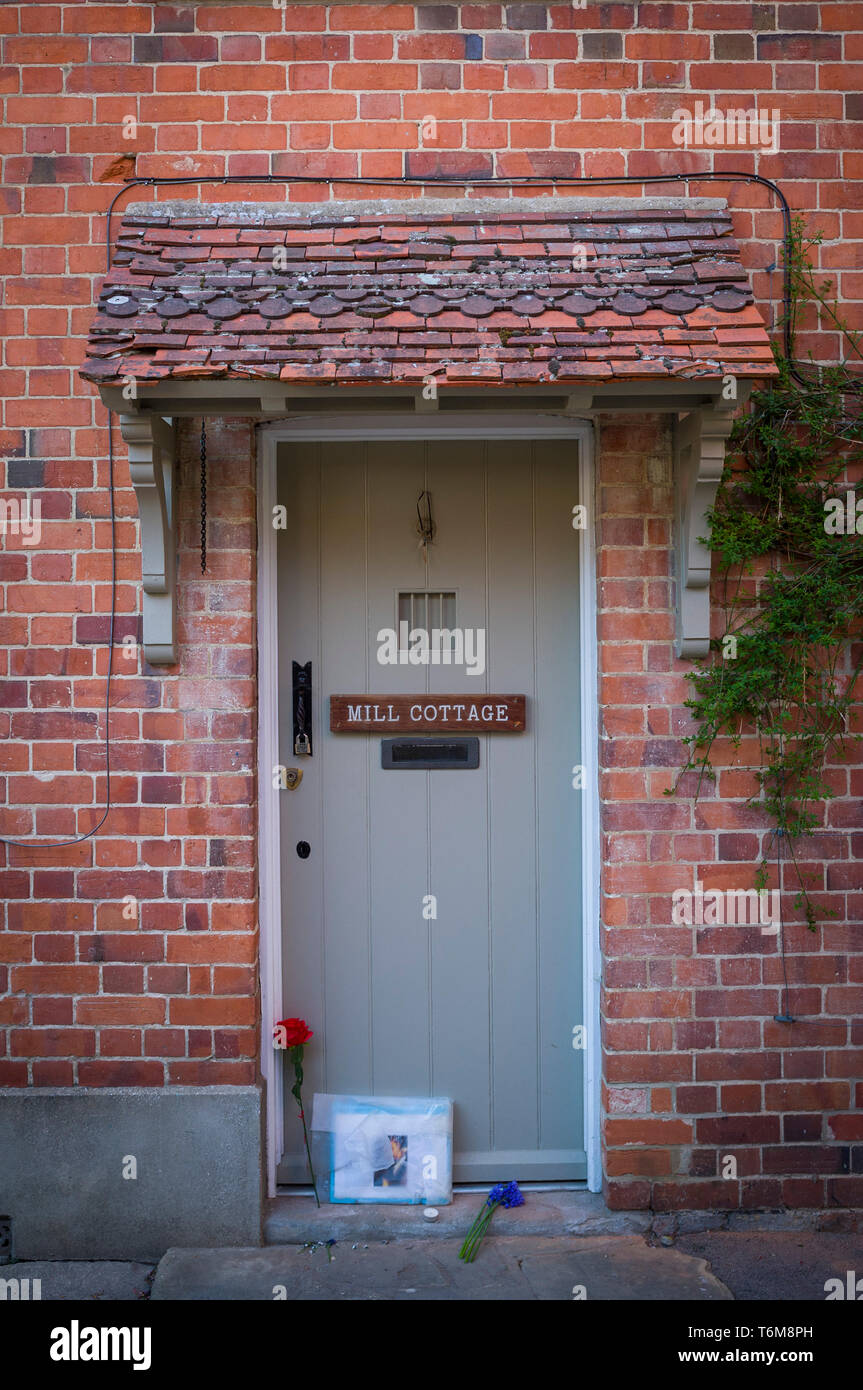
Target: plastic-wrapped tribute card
[(383, 1149)]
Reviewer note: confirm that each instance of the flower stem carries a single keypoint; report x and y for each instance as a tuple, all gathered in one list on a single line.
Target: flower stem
[(474, 1230), (469, 1250), (297, 1093), (309, 1156)]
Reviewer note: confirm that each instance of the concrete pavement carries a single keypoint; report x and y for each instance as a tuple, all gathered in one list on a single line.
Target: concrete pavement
[(559, 1245)]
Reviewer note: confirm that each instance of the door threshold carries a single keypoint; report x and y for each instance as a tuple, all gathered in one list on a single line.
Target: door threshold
[(297, 1190), (569, 1185)]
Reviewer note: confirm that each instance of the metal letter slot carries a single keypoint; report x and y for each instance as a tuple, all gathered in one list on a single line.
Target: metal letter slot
[(302, 682), (429, 754)]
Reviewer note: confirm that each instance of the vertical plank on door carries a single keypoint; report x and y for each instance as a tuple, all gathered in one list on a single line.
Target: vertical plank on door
[(397, 808), (342, 767), (558, 807), (458, 811), (512, 798), (303, 985)]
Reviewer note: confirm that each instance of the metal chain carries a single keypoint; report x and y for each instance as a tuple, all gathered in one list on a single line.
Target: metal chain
[(203, 496)]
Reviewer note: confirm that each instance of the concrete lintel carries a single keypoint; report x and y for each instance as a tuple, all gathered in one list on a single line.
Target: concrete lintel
[(338, 212)]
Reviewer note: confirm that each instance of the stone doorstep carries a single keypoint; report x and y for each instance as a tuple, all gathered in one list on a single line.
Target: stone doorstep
[(296, 1220), (511, 1268)]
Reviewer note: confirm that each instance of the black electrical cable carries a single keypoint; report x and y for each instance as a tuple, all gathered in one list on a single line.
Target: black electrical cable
[(528, 181), (525, 181)]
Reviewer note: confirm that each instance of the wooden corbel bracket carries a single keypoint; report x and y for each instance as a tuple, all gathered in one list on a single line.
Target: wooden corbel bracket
[(151, 464), (699, 458)]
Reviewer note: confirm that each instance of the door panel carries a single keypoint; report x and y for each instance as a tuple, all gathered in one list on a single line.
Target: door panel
[(480, 1002)]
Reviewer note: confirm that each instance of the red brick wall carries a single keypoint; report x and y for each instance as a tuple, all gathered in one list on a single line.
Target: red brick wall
[(695, 1068), (333, 91), (130, 959)]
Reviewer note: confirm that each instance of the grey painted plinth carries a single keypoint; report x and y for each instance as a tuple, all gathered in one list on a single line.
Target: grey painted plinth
[(62, 1155)]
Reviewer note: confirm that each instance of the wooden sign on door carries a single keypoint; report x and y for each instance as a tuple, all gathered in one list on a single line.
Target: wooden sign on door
[(426, 714)]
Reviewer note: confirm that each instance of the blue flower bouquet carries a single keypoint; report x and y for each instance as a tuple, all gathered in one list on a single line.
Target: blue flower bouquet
[(501, 1195)]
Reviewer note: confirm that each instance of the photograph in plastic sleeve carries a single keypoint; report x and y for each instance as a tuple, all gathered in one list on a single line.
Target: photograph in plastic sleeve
[(384, 1149)]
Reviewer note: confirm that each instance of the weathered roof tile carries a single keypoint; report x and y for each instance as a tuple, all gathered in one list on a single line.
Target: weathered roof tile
[(517, 296)]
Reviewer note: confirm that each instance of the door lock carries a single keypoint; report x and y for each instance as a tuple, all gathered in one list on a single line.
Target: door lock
[(302, 696), (293, 777)]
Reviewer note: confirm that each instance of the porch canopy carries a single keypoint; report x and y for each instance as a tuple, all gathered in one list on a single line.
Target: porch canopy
[(559, 305)]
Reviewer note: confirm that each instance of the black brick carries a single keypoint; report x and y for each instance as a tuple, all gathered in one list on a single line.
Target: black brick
[(731, 47), (801, 1129), (800, 48), (25, 473), (176, 48), (43, 170), (602, 46), (763, 17), (526, 16), (437, 16)]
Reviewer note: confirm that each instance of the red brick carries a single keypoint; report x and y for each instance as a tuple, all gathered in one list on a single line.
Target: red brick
[(54, 979), (53, 1042), (121, 1073), (374, 77)]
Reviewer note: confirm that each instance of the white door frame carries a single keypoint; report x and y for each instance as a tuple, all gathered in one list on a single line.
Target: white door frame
[(424, 425)]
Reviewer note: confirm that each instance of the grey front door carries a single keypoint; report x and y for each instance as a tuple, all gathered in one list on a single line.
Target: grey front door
[(432, 935)]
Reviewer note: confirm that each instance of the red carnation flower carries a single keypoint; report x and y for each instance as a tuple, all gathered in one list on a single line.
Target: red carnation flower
[(293, 1034), (297, 1031)]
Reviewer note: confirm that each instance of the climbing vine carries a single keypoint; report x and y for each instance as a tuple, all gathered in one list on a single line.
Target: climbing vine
[(784, 536)]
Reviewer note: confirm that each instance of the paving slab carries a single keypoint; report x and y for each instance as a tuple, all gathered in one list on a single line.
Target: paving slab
[(788, 1265), (62, 1281), (295, 1220), (507, 1268)]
